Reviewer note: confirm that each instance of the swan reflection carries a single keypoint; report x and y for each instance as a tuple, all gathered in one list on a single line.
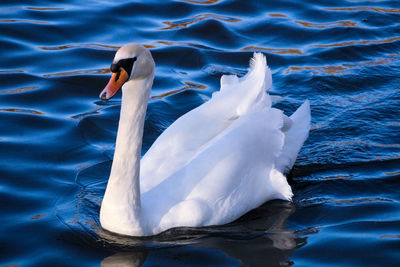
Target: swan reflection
[(124, 259), (260, 238)]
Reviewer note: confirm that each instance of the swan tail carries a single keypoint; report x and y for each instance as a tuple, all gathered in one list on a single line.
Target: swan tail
[(259, 67), (295, 137), (281, 187), (248, 93)]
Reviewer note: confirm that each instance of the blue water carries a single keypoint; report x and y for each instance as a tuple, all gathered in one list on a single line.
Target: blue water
[(57, 138)]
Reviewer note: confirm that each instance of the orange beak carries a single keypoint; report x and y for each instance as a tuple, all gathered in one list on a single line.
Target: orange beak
[(115, 83)]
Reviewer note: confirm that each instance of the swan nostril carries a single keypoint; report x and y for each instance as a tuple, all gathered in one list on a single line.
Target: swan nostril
[(104, 96)]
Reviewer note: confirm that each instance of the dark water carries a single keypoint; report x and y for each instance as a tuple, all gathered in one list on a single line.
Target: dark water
[(57, 138)]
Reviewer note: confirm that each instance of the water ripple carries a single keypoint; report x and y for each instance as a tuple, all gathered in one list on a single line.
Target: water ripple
[(78, 72), (366, 8), (183, 44), (277, 15), (344, 202), (22, 111), (326, 25), (19, 90), (392, 173), (201, 2), (73, 46), (344, 67), (57, 138), (278, 51), (12, 71), (23, 21), (362, 42), (188, 85), (44, 8), (198, 18)]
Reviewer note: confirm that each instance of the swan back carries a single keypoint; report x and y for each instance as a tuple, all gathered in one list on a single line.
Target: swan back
[(181, 142)]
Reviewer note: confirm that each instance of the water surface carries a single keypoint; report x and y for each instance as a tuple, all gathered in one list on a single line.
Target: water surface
[(57, 138)]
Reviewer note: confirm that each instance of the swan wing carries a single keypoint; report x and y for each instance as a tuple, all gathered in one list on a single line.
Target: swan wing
[(233, 174), (295, 137), (191, 133)]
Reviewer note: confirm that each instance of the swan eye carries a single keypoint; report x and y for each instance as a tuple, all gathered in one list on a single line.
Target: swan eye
[(126, 63)]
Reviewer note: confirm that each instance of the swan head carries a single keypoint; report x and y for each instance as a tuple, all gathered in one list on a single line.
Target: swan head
[(131, 62)]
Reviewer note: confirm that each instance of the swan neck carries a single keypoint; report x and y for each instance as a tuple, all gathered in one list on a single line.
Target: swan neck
[(122, 196)]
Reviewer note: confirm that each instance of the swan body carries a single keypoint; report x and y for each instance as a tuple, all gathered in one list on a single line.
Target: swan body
[(212, 165)]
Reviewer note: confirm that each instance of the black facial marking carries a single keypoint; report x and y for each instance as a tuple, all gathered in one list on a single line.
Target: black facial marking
[(126, 63), (117, 76), (114, 67)]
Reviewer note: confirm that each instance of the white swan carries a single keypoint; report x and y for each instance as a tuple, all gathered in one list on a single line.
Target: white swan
[(212, 165)]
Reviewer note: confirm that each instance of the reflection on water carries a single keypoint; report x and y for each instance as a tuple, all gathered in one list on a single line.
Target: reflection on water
[(23, 21), (392, 173), (11, 71), (92, 46), (188, 85), (279, 51), (365, 8), (342, 68), (57, 138), (38, 216), (19, 90), (259, 238), (344, 23), (78, 72), (20, 110), (344, 202), (124, 259), (201, 2), (273, 248), (362, 42), (45, 8), (277, 15)]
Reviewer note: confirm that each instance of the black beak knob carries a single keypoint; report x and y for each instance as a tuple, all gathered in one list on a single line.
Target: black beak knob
[(104, 97)]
